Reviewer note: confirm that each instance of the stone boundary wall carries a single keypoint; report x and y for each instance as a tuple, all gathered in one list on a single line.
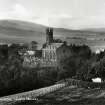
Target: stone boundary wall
[(30, 95), (84, 84)]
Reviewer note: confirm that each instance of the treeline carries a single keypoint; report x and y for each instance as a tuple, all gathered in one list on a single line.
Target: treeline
[(80, 62), (73, 62), (14, 78)]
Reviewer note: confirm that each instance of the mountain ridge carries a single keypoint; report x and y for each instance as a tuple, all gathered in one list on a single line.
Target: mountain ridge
[(15, 31)]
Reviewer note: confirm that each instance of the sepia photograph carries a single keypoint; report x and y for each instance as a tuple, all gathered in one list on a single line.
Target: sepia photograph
[(52, 52)]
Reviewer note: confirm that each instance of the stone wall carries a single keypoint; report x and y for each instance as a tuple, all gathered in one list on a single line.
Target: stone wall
[(31, 95)]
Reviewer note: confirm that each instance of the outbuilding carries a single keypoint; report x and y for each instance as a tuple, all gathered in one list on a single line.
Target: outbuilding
[(97, 80)]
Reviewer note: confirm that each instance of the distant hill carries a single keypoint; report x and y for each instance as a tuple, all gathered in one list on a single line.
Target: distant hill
[(20, 31), (102, 30)]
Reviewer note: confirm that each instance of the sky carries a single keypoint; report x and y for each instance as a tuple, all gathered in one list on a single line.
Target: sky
[(71, 14)]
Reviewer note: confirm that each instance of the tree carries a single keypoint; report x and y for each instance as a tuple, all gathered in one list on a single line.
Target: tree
[(74, 60), (57, 41), (84, 71), (33, 45)]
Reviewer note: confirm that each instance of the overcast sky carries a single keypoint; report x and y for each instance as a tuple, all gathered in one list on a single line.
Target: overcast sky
[(59, 13)]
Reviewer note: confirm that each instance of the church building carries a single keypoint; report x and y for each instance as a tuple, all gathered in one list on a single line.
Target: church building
[(49, 51)]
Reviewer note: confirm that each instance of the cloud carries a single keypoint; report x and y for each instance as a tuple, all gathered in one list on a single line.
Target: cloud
[(67, 21), (19, 10), (51, 19), (60, 13)]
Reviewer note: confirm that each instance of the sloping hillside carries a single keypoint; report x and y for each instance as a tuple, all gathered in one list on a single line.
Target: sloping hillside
[(14, 31), (19, 31)]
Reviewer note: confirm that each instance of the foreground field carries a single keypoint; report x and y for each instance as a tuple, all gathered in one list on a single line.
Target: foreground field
[(71, 96)]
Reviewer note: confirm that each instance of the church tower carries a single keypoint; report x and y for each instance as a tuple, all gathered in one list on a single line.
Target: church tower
[(49, 35)]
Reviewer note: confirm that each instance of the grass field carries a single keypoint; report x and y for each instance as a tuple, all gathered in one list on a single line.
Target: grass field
[(71, 96)]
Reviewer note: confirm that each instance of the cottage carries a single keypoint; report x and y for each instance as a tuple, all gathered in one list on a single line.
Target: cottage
[(97, 80)]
